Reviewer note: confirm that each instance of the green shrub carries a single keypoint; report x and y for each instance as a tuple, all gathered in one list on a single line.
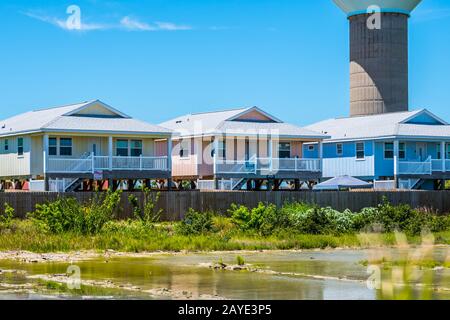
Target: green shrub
[(6, 218), (68, 215), (146, 213), (195, 223), (263, 219), (240, 216), (62, 215)]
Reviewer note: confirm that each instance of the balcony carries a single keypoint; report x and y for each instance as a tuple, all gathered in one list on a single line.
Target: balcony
[(91, 163), (427, 167), (267, 166)]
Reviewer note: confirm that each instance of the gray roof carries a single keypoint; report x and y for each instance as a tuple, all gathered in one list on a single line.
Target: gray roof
[(65, 119), (383, 125), (225, 123)]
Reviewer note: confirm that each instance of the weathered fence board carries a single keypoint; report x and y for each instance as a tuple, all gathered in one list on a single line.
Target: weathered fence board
[(176, 204)]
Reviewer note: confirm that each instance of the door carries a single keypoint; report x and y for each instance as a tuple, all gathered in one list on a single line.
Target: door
[(94, 146), (421, 151)]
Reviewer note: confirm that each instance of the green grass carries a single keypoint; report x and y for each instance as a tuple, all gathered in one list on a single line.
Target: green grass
[(132, 237)]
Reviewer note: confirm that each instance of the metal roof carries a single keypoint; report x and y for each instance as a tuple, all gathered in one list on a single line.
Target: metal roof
[(65, 119), (382, 125), (227, 122)]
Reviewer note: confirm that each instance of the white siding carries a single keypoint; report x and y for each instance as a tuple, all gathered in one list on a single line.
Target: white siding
[(11, 164), (335, 167)]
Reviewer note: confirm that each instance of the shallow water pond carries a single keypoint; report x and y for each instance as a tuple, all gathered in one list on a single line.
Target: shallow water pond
[(337, 274)]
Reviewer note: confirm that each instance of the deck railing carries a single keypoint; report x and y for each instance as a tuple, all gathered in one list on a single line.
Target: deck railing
[(105, 163), (267, 165), (416, 168), (424, 167), (440, 165)]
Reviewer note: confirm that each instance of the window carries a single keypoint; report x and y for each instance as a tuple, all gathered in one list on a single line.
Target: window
[(52, 147), (122, 148), (20, 146), (402, 151), (65, 146), (6, 144), (311, 148), (136, 148), (360, 150), (448, 151), (389, 150), (184, 148), (339, 149), (284, 150), (222, 149)]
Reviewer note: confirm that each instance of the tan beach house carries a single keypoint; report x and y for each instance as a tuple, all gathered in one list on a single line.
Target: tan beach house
[(243, 148), (73, 147)]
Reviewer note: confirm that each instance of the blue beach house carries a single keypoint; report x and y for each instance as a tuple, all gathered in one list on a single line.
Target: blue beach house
[(406, 150)]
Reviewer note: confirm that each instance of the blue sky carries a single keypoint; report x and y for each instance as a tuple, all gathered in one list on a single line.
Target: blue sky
[(157, 59)]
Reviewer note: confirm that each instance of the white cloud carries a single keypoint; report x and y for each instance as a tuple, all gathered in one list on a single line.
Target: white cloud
[(133, 24), (126, 23), (168, 26), (136, 25), (60, 23)]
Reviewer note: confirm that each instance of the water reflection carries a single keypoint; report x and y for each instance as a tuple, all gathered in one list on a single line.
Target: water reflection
[(293, 275)]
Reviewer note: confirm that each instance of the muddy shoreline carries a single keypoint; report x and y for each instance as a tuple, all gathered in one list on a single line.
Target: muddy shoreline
[(32, 257), (70, 257)]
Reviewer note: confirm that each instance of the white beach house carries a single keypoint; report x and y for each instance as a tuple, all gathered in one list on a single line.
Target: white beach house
[(68, 148)]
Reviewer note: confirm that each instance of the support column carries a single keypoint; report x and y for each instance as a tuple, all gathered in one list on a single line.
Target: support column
[(396, 157), (216, 153), (110, 153), (297, 184), (321, 155), (270, 155), (443, 156), (169, 156), (45, 144)]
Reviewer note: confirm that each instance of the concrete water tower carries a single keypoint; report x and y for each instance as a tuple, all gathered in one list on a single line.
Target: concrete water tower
[(378, 54)]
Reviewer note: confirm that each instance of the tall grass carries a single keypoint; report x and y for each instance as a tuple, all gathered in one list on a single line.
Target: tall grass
[(67, 225)]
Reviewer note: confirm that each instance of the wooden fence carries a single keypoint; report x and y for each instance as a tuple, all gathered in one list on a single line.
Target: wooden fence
[(176, 204)]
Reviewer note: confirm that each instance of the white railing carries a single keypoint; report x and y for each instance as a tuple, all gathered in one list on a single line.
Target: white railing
[(62, 165), (222, 184), (206, 185), (384, 185), (236, 166), (60, 185), (92, 163), (139, 163), (415, 168), (268, 165), (101, 163), (407, 184), (37, 185)]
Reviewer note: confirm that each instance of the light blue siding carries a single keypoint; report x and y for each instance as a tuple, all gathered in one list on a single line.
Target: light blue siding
[(311, 154), (424, 119), (383, 167)]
